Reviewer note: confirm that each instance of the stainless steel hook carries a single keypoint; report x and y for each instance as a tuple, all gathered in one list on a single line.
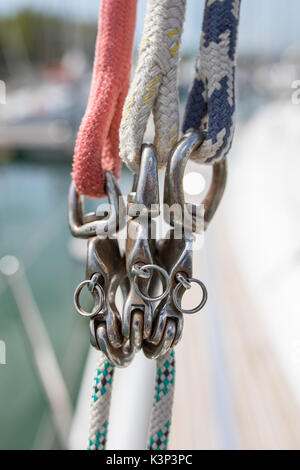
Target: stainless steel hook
[(175, 253), (143, 206), (90, 225), (174, 193)]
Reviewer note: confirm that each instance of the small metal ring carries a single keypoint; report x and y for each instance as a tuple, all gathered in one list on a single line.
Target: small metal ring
[(201, 304), (98, 295), (165, 276)]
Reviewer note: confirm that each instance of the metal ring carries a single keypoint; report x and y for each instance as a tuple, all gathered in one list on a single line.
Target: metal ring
[(181, 286), (165, 276), (98, 295)]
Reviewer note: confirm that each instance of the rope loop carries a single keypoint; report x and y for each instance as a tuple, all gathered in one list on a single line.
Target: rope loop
[(97, 143), (211, 101), (154, 87)]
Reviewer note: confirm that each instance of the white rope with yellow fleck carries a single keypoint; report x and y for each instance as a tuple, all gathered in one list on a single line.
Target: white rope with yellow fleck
[(154, 87)]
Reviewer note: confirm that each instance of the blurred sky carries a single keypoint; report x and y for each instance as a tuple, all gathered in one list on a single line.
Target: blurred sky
[(267, 26)]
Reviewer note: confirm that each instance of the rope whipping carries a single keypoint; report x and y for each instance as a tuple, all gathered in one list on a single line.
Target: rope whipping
[(211, 101)]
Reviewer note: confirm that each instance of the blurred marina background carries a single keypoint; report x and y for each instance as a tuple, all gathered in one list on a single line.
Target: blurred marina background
[(241, 388)]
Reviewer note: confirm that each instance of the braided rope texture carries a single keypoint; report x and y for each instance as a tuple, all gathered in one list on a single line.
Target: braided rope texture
[(160, 421), (97, 144), (163, 403), (154, 87), (100, 405), (211, 101)]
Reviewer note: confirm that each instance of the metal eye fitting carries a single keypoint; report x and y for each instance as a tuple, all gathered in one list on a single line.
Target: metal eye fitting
[(90, 225), (174, 193), (93, 281), (183, 280), (140, 271)]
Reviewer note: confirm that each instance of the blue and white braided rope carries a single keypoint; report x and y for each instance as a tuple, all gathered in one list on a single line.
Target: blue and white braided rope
[(161, 415), (211, 101)]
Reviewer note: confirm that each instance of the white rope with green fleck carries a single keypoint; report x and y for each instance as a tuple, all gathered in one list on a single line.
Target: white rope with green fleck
[(100, 404), (161, 416)]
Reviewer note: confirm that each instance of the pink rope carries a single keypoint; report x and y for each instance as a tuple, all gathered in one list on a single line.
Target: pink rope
[(97, 144)]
